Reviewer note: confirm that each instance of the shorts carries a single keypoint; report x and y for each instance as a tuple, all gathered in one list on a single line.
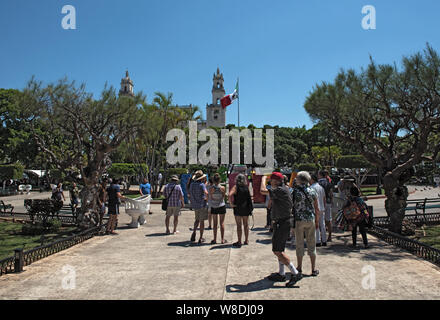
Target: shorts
[(281, 232), (75, 201), (219, 210), (113, 209), (328, 212), (173, 211), (201, 214), (307, 228)]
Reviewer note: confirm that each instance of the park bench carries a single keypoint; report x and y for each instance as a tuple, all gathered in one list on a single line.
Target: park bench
[(422, 204), (4, 208)]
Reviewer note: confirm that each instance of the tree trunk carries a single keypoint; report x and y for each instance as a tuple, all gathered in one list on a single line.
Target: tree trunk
[(395, 204)]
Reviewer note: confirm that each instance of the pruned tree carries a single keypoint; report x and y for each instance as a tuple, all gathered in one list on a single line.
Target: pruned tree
[(390, 114), (78, 132)]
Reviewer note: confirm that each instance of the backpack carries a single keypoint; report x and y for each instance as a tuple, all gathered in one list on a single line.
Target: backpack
[(328, 188)]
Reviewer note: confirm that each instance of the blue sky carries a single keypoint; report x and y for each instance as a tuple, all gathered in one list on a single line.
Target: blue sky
[(280, 49)]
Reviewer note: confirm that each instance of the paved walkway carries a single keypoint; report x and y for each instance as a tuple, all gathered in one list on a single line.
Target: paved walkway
[(146, 264)]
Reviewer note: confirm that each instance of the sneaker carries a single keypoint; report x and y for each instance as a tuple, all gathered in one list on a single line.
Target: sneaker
[(276, 277), (324, 244), (293, 280), (318, 245)]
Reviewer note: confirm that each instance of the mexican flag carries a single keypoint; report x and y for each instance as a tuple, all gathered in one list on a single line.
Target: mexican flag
[(228, 99)]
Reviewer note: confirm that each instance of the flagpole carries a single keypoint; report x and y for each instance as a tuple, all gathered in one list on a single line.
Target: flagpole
[(238, 92)]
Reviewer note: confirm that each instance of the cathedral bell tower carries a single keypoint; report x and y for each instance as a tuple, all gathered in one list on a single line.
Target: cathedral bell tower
[(215, 114), (126, 86)]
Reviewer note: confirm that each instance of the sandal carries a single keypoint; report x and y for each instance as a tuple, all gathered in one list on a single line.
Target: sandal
[(201, 240), (237, 244), (213, 242), (224, 241), (315, 273), (246, 243)]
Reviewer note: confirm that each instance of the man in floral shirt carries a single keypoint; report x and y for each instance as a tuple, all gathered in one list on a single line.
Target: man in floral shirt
[(306, 210)]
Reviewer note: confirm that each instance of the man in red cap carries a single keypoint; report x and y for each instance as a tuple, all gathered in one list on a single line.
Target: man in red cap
[(281, 201)]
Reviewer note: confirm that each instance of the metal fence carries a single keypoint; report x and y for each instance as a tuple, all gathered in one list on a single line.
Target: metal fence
[(32, 255), (417, 219), (415, 247)]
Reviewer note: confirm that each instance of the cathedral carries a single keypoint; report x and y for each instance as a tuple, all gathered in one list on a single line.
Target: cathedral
[(215, 114)]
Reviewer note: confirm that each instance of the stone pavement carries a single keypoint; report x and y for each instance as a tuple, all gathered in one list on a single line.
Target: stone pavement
[(145, 263)]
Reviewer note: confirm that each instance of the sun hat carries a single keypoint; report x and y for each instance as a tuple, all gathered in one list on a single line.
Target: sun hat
[(174, 178), (198, 175)]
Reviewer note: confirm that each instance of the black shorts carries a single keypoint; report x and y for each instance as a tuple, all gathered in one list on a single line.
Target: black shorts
[(113, 209), (220, 210), (281, 232)]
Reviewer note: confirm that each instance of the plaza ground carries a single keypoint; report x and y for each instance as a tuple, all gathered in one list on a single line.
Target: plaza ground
[(145, 263)]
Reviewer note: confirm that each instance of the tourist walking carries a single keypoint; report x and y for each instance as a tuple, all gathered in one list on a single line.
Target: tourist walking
[(281, 215), (306, 211), (243, 208), (114, 200), (199, 196), (328, 188), (74, 196), (58, 193), (145, 189), (321, 236), (356, 205), (218, 207), (174, 194)]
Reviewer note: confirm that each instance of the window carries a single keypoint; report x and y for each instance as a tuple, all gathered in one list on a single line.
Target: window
[(218, 101)]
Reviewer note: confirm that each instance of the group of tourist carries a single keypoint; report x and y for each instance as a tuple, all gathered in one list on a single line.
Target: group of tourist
[(301, 212), (208, 202)]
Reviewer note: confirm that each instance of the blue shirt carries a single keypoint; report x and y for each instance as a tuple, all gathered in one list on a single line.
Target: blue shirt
[(112, 192), (197, 191), (145, 188)]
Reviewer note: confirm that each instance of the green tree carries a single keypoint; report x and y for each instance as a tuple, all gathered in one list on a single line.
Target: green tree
[(389, 115), (79, 131)]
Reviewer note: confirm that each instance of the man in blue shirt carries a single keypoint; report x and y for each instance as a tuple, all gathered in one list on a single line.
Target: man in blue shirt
[(114, 196), (145, 188)]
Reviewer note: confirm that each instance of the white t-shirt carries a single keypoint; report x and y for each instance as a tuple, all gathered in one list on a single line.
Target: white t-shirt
[(321, 195)]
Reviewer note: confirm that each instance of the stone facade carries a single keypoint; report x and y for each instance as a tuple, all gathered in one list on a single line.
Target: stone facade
[(215, 114)]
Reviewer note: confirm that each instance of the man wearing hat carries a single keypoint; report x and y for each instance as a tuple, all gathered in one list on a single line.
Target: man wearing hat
[(281, 214), (173, 192), (199, 196)]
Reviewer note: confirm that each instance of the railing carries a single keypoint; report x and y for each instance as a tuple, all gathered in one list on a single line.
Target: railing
[(417, 219), (32, 255), (66, 219), (7, 265), (415, 247)]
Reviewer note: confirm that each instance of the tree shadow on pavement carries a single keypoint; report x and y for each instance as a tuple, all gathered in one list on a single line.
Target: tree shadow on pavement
[(259, 285)]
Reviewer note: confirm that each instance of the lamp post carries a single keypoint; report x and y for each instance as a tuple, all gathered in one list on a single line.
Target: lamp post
[(18, 260)]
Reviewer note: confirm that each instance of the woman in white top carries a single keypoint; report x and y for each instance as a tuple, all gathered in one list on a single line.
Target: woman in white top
[(218, 207)]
